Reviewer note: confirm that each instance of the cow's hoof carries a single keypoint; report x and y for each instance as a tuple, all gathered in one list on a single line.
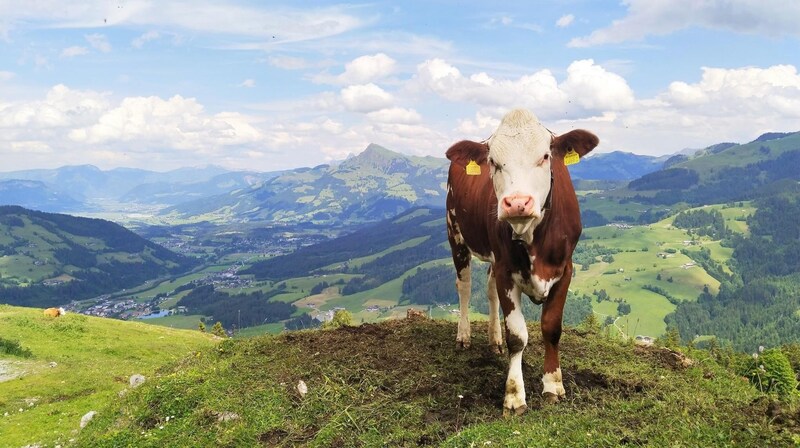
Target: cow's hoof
[(497, 349), (516, 411), (463, 344), (550, 398)]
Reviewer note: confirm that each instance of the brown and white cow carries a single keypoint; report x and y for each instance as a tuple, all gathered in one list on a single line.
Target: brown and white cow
[(515, 208)]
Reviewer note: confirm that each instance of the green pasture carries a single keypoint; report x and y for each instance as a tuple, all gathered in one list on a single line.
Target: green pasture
[(183, 321), (78, 364)]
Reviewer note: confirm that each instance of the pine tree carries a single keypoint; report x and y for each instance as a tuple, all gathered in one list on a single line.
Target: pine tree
[(202, 327), (218, 330)]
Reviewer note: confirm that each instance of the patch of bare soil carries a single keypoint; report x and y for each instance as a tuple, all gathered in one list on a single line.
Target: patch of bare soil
[(666, 357), (10, 370)]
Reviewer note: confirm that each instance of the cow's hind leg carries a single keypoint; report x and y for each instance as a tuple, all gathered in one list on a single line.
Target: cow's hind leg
[(495, 334), (516, 340)]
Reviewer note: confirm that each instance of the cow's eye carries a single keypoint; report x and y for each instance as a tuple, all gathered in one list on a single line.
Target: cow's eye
[(546, 157), (494, 165)]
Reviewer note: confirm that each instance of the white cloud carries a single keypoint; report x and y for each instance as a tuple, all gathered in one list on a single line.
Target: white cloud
[(661, 17), (596, 89), (365, 98), (6, 75), (179, 123), (565, 21), (284, 23), (248, 83), (99, 42), (587, 89), (362, 70), (397, 115), (71, 52), (144, 38)]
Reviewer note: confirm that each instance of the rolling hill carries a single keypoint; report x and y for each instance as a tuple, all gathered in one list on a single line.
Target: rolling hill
[(51, 259), (72, 365), (724, 173)]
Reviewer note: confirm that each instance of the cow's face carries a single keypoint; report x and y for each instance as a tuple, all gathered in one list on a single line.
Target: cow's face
[(520, 154), (519, 161)]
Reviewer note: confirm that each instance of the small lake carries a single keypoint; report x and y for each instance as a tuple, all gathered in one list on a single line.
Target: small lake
[(161, 313)]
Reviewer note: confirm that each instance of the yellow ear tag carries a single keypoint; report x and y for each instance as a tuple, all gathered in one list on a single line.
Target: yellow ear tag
[(473, 169), (571, 157)]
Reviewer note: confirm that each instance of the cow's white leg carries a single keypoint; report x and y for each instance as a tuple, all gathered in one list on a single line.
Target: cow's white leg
[(495, 334), (516, 339), (463, 285)]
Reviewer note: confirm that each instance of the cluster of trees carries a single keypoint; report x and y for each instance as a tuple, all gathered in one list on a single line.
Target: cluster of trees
[(393, 265), (758, 305), (587, 254), (702, 222), (429, 286), (239, 310)]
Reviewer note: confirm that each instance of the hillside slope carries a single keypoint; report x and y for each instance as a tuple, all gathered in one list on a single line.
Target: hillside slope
[(374, 185), (49, 259), (403, 383), (78, 364)]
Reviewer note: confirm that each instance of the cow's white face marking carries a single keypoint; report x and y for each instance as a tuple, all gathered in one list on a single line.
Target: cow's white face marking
[(552, 383), (519, 159)]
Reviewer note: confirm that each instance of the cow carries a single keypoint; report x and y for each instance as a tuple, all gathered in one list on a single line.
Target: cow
[(54, 312), (511, 203)]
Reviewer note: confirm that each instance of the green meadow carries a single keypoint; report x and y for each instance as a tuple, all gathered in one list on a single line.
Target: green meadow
[(78, 364)]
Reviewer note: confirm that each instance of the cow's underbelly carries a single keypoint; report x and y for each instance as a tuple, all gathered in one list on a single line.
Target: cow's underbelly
[(534, 287)]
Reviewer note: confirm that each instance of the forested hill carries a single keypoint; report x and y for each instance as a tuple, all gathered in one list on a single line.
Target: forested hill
[(759, 303), (724, 173), (49, 259)]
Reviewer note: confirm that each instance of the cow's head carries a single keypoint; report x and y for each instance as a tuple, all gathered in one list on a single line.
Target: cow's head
[(520, 154)]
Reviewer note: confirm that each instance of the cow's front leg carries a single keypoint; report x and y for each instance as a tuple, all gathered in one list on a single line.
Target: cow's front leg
[(495, 333), (516, 340), (552, 312)]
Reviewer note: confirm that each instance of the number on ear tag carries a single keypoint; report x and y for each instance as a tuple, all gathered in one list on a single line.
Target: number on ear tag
[(473, 169), (571, 157)]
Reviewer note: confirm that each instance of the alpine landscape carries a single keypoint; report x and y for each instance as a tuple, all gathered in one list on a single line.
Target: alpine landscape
[(294, 285)]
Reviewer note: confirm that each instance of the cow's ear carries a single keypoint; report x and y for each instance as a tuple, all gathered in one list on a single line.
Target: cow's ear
[(578, 140), (466, 151)]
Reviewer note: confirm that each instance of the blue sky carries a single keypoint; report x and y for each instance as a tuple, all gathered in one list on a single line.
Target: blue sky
[(272, 85)]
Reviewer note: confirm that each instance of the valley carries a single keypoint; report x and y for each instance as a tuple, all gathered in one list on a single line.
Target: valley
[(366, 235)]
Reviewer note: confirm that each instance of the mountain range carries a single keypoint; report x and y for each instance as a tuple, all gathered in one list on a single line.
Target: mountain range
[(376, 184)]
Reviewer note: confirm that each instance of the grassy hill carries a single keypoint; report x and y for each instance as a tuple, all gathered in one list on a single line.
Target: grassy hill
[(77, 364), (49, 259), (403, 383)]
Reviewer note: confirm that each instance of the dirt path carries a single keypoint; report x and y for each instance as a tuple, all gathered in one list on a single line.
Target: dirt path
[(8, 370)]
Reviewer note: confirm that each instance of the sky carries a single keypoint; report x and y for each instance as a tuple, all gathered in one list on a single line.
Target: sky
[(271, 85)]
